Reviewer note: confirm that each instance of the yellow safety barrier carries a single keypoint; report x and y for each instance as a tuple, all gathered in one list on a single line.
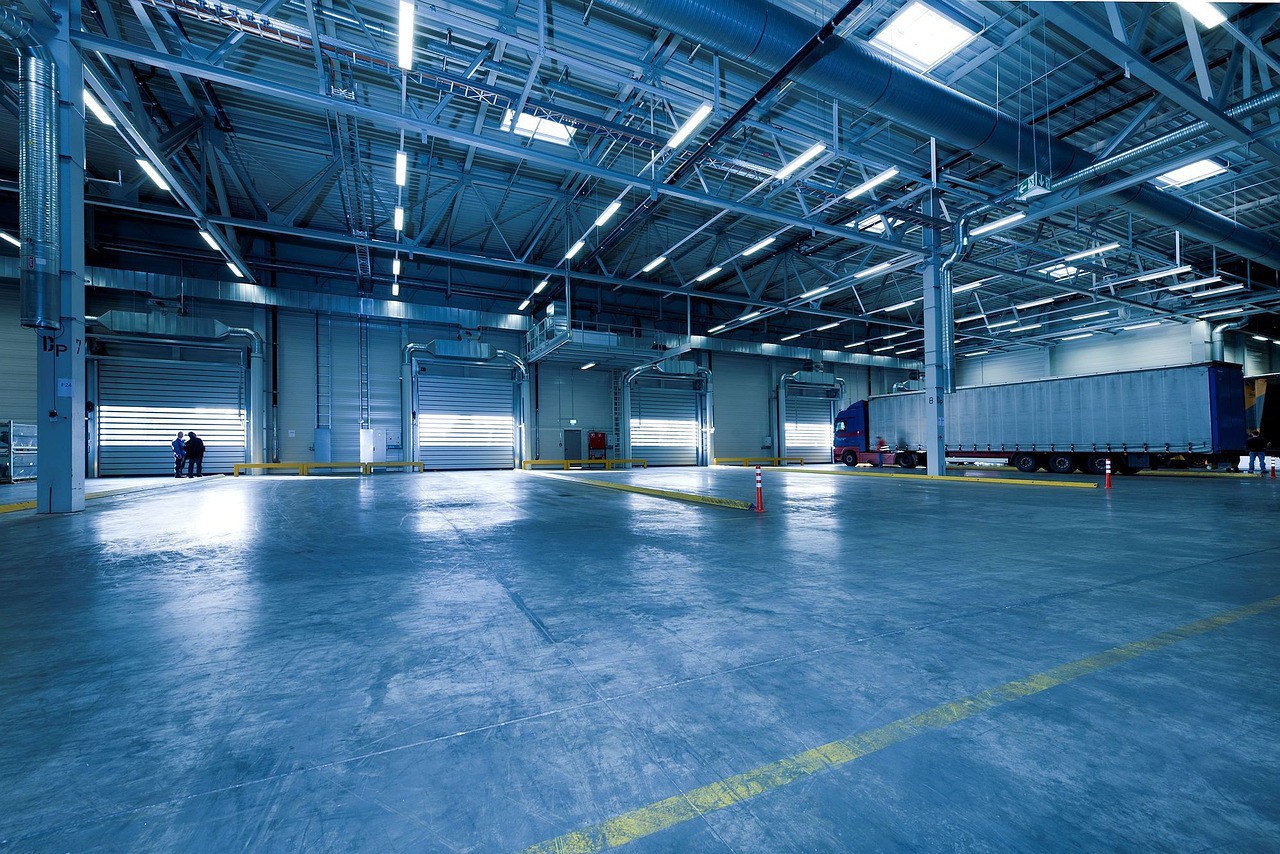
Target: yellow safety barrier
[(307, 467), (924, 478), (751, 461), (672, 494), (565, 464), (412, 465), (301, 468)]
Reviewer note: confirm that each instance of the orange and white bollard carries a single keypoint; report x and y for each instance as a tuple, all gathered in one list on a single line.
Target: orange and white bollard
[(1108, 473), (759, 492), (1273, 469)]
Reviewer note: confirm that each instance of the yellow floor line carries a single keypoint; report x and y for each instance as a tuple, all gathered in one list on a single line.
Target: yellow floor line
[(108, 493), (1002, 481), (660, 815), (671, 494)]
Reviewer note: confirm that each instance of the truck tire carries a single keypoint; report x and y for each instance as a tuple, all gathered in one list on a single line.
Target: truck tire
[(907, 460), (1062, 463), (849, 458), (1025, 462), (1096, 464)]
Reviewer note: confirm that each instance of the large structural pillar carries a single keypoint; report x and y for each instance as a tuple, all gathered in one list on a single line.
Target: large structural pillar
[(60, 360), (937, 317)]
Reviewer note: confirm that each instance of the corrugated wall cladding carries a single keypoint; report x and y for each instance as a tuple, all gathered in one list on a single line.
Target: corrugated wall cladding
[(664, 425), (466, 417), (565, 392), (1175, 344), (296, 376), (1029, 364), (17, 361)]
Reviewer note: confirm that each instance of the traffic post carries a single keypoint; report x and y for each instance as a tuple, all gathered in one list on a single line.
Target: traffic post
[(759, 492)]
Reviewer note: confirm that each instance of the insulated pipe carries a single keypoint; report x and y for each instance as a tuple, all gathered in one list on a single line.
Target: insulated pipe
[(40, 282), (764, 35), (948, 342), (1217, 340), (708, 423), (257, 405)]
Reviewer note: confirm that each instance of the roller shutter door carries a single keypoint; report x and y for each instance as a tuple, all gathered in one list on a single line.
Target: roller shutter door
[(664, 426), (466, 421), (142, 404), (809, 426)]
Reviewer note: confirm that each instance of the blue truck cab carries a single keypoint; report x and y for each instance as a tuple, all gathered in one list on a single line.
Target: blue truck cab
[(852, 444)]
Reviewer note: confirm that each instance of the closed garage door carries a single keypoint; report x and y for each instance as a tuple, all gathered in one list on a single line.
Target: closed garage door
[(664, 426), (809, 427), (143, 403), (466, 418)]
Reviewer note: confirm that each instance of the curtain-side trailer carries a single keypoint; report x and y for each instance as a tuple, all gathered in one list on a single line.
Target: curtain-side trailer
[(1137, 419)]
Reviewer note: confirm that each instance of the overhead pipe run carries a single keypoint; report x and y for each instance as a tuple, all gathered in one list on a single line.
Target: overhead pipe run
[(764, 35), (40, 289)]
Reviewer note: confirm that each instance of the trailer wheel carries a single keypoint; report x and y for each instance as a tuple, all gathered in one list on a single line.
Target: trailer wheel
[(907, 460), (849, 458), (1096, 464), (1025, 462), (1062, 464)]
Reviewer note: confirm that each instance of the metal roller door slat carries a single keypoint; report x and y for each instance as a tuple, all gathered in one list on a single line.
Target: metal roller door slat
[(809, 428), (664, 426), (466, 422)]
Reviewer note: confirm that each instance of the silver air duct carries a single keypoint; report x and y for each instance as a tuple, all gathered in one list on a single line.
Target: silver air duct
[(40, 287), (763, 35)]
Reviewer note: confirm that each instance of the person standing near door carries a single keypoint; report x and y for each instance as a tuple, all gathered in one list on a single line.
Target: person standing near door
[(179, 455), (194, 448)]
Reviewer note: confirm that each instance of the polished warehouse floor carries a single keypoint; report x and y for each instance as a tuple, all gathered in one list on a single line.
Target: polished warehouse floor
[(492, 661)]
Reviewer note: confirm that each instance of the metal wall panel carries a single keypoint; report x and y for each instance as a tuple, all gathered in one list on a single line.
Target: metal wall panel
[(296, 374), (565, 392), (742, 389), (346, 389), (1018, 366), (17, 361), (1175, 344), (142, 404), (664, 425), (809, 425), (466, 418)]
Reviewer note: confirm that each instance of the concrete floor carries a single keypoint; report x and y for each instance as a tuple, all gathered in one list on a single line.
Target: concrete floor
[(480, 662)]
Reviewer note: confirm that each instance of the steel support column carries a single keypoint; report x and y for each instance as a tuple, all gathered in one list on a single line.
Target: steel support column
[(936, 315)]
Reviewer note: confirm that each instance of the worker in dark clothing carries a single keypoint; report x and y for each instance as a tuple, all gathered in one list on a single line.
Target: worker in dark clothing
[(179, 455), (1256, 445), (194, 448)]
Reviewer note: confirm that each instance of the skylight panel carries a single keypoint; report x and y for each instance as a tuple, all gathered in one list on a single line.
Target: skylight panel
[(1191, 173), (920, 36), (545, 130)]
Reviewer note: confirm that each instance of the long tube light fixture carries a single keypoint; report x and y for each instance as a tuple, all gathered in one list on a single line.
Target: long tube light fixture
[(153, 173), (208, 239), (574, 250), (1091, 315), (9, 238), (1222, 313), (690, 126), (1204, 12), (395, 266), (720, 328), (895, 335), (708, 274), (395, 288), (871, 271), (397, 218), (235, 271), (756, 247), (1213, 292), (813, 292), (971, 286), (827, 326), (882, 349), (1035, 303), (1160, 274), (1089, 253), (898, 306), (538, 288), (1185, 286), (750, 315), (405, 52), (1027, 328), (871, 183), (998, 224), (795, 165), (1002, 323), (654, 264), (976, 353), (793, 336), (1146, 325), (607, 213), (971, 318), (402, 168), (523, 305), (854, 344), (1076, 337), (98, 110)]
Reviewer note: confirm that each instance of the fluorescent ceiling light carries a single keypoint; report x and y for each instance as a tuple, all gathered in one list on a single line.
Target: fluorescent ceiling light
[(654, 264), (971, 286), (402, 168), (970, 318), (815, 292), (827, 326), (532, 127), (405, 53), (1035, 303), (395, 289), (1076, 337), (882, 349), (921, 36), (794, 166), (872, 183), (208, 238), (538, 288), (1222, 313), (1061, 271), (756, 247), (1261, 338), (873, 224), (690, 126), (523, 305), (976, 353), (1213, 292), (397, 218), (1026, 328), (395, 266), (1001, 323), (895, 335), (1204, 12), (1089, 253), (574, 250), (235, 271), (1160, 274), (708, 274), (854, 344), (153, 173), (1091, 315), (1208, 280), (905, 352), (587, 366), (607, 213), (750, 315), (1192, 172), (713, 330), (998, 224), (1147, 325), (9, 238), (97, 109), (793, 336), (871, 271), (899, 306)]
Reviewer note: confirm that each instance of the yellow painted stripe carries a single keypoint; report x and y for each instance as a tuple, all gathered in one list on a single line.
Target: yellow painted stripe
[(31, 505), (689, 805), (657, 493), (999, 481)]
